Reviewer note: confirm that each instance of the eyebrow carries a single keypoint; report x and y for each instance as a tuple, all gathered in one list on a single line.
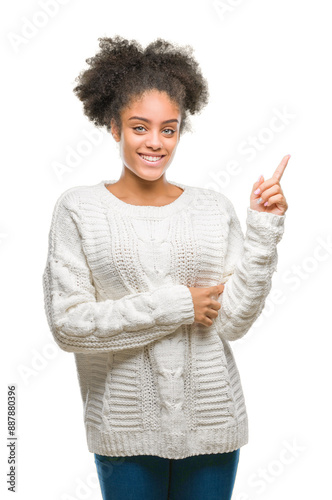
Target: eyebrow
[(149, 121)]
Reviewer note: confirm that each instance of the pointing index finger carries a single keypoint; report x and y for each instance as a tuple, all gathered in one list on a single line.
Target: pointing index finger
[(281, 168)]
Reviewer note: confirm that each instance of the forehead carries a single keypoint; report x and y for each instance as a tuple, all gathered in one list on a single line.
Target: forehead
[(153, 105)]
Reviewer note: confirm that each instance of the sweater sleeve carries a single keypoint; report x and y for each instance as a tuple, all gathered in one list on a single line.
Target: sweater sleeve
[(248, 268), (78, 322)]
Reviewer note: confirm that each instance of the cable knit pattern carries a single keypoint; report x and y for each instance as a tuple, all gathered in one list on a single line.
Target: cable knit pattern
[(116, 287)]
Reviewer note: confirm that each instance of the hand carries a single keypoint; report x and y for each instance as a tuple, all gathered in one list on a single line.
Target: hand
[(205, 302), (270, 194)]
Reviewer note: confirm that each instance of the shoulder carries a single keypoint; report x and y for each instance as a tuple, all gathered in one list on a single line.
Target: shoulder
[(214, 199), (72, 202), (66, 216), (75, 197)]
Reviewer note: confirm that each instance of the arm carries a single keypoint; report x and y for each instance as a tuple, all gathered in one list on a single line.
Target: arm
[(249, 265), (81, 324)]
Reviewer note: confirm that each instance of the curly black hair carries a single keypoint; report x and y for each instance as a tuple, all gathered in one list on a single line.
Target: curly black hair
[(122, 70)]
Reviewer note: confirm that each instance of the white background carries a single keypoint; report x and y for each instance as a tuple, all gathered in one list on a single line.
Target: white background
[(262, 59)]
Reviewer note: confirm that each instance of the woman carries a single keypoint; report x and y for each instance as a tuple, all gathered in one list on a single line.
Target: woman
[(147, 281)]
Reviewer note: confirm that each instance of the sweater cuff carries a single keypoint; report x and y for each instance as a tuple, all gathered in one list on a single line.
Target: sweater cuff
[(173, 304), (265, 228), (264, 219)]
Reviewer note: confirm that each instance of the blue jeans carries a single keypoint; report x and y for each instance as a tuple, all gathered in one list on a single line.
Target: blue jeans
[(149, 477)]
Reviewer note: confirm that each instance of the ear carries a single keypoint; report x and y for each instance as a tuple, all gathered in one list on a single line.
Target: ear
[(115, 131)]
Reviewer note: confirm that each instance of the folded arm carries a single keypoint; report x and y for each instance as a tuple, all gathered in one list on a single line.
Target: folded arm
[(81, 324)]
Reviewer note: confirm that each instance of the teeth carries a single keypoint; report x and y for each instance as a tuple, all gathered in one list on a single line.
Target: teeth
[(151, 158)]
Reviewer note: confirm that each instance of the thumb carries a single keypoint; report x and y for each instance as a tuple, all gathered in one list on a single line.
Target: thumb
[(216, 291)]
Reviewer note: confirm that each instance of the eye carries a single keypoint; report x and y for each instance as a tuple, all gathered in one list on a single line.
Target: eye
[(170, 131)]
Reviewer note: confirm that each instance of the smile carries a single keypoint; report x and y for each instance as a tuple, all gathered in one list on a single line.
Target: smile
[(149, 160)]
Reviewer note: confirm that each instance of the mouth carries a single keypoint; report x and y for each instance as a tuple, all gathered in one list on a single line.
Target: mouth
[(154, 160)]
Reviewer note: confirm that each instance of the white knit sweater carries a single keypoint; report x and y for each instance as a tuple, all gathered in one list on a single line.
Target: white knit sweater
[(153, 381)]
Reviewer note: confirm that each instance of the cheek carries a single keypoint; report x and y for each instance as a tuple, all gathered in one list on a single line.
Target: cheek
[(173, 145), (127, 146), (132, 144)]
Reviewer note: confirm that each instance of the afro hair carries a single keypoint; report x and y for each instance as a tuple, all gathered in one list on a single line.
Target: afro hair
[(122, 70)]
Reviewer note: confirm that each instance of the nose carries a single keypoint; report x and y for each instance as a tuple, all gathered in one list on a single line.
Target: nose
[(153, 141)]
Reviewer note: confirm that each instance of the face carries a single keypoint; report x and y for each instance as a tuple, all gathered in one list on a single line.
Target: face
[(149, 135)]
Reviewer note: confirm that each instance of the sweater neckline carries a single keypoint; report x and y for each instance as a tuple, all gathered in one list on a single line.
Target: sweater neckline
[(145, 211)]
